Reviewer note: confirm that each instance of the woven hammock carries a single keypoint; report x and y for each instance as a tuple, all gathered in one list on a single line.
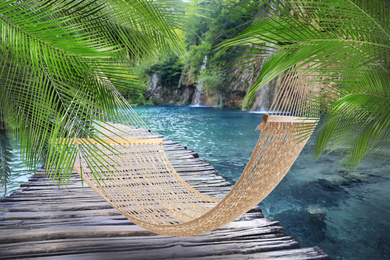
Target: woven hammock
[(140, 182)]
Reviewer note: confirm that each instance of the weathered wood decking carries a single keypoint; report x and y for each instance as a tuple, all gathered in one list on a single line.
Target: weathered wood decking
[(41, 220)]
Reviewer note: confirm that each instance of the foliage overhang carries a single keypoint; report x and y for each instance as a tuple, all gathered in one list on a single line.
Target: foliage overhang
[(59, 61), (344, 46)]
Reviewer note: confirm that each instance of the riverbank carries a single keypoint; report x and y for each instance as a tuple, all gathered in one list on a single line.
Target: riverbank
[(42, 220)]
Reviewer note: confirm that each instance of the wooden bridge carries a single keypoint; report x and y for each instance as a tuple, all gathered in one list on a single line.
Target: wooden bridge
[(41, 220)]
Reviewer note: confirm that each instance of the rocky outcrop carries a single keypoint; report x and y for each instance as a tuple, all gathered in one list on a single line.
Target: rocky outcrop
[(238, 86), (240, 82), (186, 92), (264, 96), (169, 95)]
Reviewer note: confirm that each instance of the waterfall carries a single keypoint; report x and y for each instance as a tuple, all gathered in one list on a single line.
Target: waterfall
[(198, 91)]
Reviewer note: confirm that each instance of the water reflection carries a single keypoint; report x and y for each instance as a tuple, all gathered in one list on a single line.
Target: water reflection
[(225, 138), (345, 214), (19, 172)]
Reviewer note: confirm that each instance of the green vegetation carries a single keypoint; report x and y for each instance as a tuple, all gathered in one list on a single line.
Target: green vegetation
[(205, 30), (210, 27), (347, 44), (168, 68), (213, 80), (61, 63), (5, 159)]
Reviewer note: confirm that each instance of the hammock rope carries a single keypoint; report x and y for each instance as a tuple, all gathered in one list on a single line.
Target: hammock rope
[(140, 182)]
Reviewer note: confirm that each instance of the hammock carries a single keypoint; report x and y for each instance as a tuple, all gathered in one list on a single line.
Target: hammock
[(140, 182)]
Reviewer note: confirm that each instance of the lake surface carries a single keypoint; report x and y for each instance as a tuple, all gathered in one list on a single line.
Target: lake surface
[(19, 172), (345, 214)]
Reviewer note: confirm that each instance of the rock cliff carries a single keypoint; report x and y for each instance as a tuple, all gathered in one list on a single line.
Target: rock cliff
[(168, 95), (185, 93)]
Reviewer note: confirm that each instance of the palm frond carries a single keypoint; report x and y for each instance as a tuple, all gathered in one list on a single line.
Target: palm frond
[(346, 44), (358, 122), (5, 160), (58, 63)]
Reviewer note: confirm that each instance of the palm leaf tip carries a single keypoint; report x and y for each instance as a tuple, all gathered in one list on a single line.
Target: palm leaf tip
[(347, 44), (61, 70), (5, 160)]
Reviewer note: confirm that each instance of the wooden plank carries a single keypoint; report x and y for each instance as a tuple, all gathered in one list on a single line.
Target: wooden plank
[(289, 119), (67, 141), (170, 248), (43, 221)]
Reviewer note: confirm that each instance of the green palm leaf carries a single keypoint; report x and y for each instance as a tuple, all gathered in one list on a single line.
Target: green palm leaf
[(58, 62), (344, 46), (5, 159)]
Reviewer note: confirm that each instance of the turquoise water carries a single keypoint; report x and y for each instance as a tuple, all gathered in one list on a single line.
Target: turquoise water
[(19, 173), (225, 138), (317, 203), (346, 215)]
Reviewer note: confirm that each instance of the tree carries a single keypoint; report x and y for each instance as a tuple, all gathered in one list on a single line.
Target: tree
[(62, 64), (212, 25), (347, 44)]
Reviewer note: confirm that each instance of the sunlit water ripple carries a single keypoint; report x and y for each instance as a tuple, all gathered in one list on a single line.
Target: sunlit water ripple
[(346, 215)]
